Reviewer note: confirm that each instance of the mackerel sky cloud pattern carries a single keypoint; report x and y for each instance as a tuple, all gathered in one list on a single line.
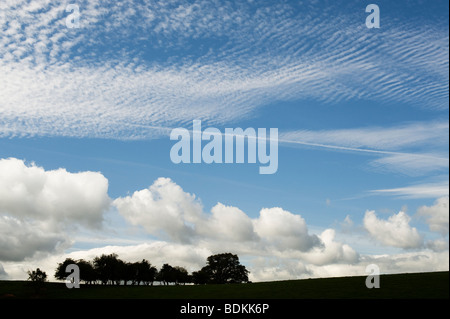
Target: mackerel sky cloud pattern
[(96, 81)]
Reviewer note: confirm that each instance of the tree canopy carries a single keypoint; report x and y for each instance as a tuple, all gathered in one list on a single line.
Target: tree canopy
[(110, 270), (224, 268), (37, 276)]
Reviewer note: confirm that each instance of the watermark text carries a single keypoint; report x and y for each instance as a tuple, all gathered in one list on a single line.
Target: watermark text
[(227, 147)]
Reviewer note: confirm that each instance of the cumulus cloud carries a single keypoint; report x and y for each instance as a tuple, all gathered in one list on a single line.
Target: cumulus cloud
[(156, 252), (331, 251), (38, 207), (274, 245), (275, 268), (437, 216), (407, 262), (274, 241), (421, 261), (228, 223), (284, 230), (31, 227), (163, 207), (395, 231), (58, 196), (20, 239)]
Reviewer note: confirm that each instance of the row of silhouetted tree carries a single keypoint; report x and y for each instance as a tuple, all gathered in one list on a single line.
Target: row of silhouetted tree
[(110, 270)]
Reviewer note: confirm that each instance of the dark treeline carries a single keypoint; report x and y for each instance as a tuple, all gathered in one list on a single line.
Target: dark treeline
[(110, 270)]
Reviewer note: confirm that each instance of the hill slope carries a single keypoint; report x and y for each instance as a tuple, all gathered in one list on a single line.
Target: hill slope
[(404, 286)]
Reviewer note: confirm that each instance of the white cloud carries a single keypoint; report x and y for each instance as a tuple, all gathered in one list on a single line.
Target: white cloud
[(437, 216), (156, 252), (275, 234), (275, 268), (421, 261), (21, 239), (413, 164), (395, 231), (228, 223), (39, 208), (274, 245), (272, 239), (56, 196), (425, 190), (163, 207), (413, 149), (378, 138), (284, 230), (331, 252), (347, 224)]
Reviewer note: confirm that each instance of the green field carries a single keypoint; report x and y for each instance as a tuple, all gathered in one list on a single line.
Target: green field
[(404, 286)]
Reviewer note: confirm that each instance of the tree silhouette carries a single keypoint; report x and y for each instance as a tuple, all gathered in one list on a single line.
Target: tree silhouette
[(87, 271), (167, 274), (176, 275), (145, 272), (181, 275), (37, 276), (128, 272), (200, 277), (108, 268), (60, 272), (225, 268)]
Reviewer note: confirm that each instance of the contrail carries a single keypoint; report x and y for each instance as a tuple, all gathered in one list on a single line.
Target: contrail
[(297, 142), (353, 149)]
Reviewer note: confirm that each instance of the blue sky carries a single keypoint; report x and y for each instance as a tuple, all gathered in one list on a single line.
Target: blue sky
[(362, 116)]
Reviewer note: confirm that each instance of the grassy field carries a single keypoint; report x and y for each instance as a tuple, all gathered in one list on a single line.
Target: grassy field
[(404, 286)]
